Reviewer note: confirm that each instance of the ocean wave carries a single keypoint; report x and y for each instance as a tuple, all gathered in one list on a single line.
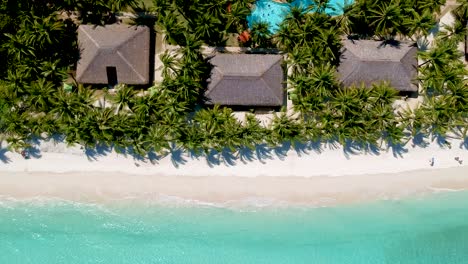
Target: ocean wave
[(8, 202), (251, 203)]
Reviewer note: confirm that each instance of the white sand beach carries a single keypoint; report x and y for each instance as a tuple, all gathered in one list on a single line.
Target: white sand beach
[(314, 175)]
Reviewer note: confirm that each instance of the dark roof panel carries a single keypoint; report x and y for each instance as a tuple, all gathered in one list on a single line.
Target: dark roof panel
[(368, 61), (121, 46), (246, 80)]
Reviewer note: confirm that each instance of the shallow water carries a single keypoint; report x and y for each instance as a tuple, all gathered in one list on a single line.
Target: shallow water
[(432, 229), (274, 13)]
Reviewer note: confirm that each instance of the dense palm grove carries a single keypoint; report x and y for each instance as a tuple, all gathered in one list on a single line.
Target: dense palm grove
[(38, 44)]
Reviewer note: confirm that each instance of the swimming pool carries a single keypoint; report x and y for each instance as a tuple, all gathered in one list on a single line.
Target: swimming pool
[(274, 12)]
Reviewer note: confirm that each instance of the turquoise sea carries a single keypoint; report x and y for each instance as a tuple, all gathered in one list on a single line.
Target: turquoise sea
[(430, 229)]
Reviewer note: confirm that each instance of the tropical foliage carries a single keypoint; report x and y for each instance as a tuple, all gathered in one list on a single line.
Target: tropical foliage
[(387, 19), (39, 47), (208, 21)]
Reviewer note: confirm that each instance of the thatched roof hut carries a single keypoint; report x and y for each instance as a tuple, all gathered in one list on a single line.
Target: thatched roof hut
[(368, 61), (113, 54), (246, 80)]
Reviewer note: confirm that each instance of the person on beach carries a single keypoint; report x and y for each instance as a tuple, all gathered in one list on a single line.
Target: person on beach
[(431, 161), (24, 154)]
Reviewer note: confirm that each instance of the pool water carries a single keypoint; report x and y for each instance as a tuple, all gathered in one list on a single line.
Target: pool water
[(274, 13)]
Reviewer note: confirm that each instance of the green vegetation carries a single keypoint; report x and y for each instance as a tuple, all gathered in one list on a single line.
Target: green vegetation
[(38, 42)]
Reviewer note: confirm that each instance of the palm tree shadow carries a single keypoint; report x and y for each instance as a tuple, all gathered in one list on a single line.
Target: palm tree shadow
[(100, 150), (420, 140), (154, 157), (281, 151), (34, 152), (228, 157), (3, 158), (177, 156), (194, 154), (246, 154), (213, 158), (390, 42), (350, 148), (316, 145), (91, 154), (373, 149), (35, 140), (301, 148), (57, 138), (463, 144), (357, 148), (263, 152), (442, 141), (332, 144), (397, 149)]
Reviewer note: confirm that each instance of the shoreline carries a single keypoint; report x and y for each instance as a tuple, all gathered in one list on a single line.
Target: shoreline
[(109, 188), (319, 176)]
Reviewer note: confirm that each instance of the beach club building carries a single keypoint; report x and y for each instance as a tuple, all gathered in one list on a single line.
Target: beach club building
[(120, 53), (244, 80), (113, 54), (369, 61)]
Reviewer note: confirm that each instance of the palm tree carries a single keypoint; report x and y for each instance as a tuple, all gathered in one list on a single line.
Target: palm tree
[(395, 134), (343, 20), (190, 48), (386, 19), (220, 128), (295, 17), (261, 36), (382, 93), (321, 5), (172, 27), (144, 15), (123, 99), (206, 28), (170, 64), (285, 128), (300, 61), (41, 94), (15, 123), (440, 113), (104, 122), (236, 17), (330, 43), (419, 24), (69, 107), (120, 5), (431, 6), (52, 71), (252, 132), (437, 58), (158, 138), (311, 91), (461, 17)]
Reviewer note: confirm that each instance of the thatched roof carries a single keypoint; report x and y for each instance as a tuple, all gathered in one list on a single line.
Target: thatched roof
[(368, 61), (127, 48), (246, 80)]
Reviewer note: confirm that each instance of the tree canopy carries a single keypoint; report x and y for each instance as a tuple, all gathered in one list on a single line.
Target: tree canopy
[(40, 49)]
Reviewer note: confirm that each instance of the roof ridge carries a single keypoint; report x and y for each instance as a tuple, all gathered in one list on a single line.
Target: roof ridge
[(269, 87), (215, 84), (94, 55), (402, 61), (130, 37), (272, 94), (130, 65)]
